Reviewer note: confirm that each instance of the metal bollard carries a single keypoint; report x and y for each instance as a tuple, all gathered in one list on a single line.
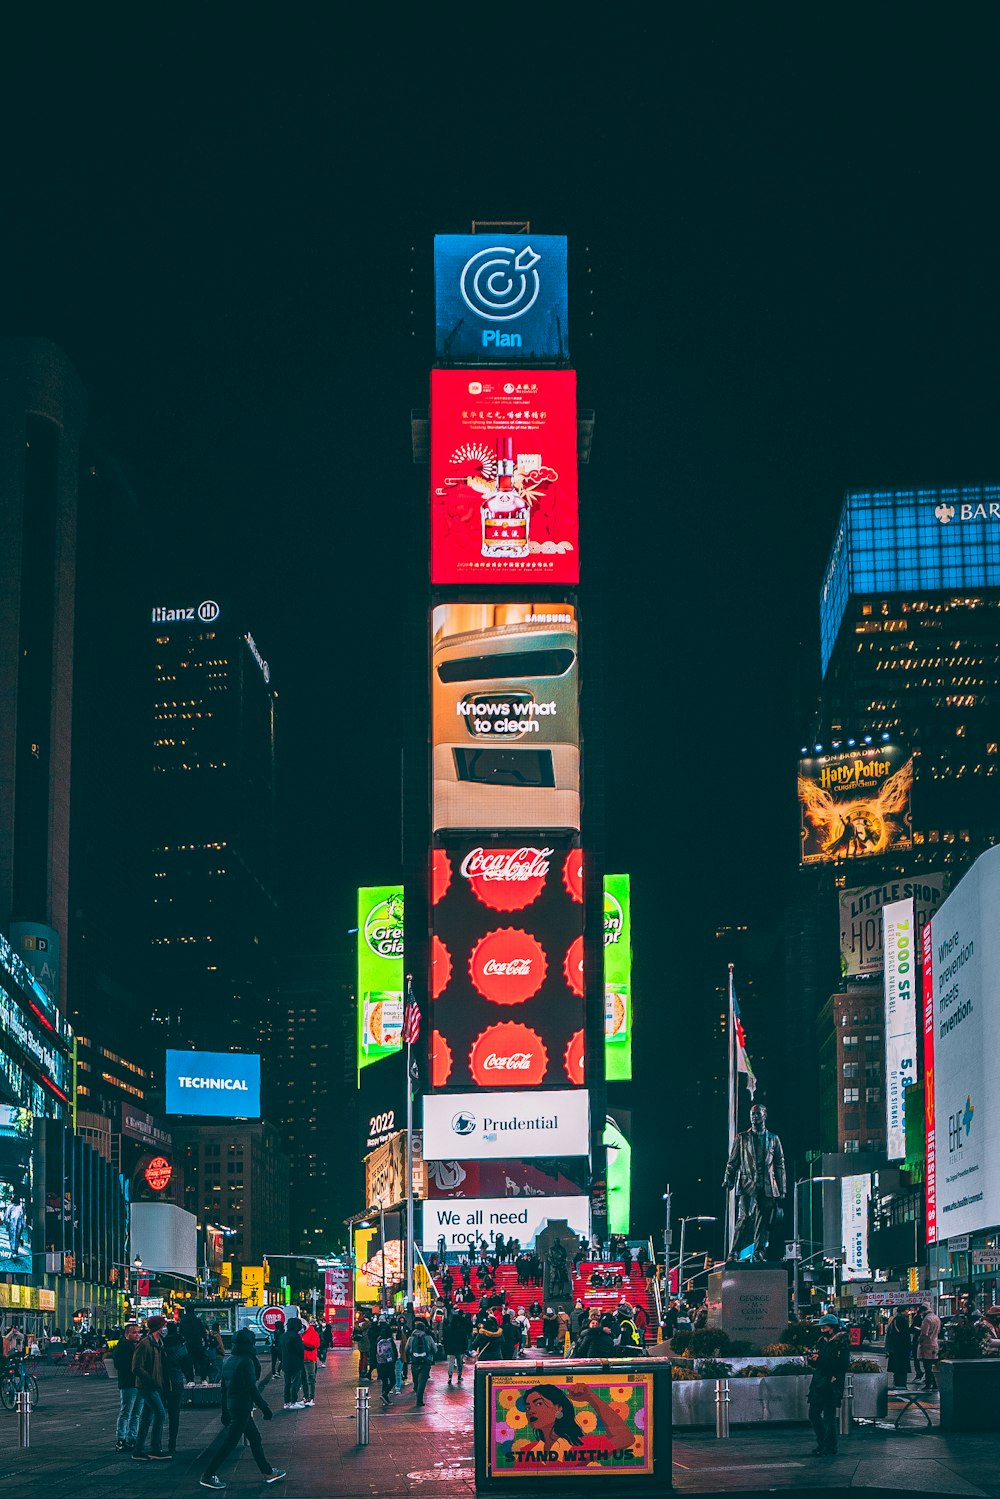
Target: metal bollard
[(847, 1406), (361, 1412), (23, 1404), (722, 1407)]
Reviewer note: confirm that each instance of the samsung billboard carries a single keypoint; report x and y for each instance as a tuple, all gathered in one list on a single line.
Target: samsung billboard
[(223, 1084)]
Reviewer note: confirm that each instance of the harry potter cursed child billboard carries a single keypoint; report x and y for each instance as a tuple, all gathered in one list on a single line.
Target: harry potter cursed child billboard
[(855, 803)]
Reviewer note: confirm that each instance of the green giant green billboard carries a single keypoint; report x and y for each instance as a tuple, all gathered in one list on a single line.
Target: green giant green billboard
[(617, 978), (380, 972)]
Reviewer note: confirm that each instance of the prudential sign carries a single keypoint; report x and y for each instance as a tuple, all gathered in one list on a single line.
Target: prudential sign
[(505, 1126), (224, 1084), (500, 299)]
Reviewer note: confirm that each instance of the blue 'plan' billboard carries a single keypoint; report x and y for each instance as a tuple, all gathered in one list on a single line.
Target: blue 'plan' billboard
[(500, 298), (223, 1083)]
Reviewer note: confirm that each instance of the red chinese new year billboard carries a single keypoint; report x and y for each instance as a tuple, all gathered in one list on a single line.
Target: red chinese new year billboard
[(507, 987), (504, 491)]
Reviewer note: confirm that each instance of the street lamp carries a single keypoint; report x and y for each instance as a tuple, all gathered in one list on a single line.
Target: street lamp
[(795, 1233), (701, 1218)]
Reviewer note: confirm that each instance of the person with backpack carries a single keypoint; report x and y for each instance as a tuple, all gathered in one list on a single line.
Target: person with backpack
[(419, 1354), (386, 1353), (240, 1397)]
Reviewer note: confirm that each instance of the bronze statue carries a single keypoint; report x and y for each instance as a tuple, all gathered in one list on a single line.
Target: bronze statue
[(756, 1171)]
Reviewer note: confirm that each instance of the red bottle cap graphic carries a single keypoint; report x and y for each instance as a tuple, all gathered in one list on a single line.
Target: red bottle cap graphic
[(440, 1060), (508, 1055), (508, 966), (440, 874), (573, 1059), (507, 879), (573, 966), (440, 967), (573, 874)]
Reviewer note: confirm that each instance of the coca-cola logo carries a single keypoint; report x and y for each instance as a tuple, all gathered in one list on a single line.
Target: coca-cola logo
[(572, 874), (508, 966), (509, 1052), (507, 879), (573, 1059), (573, 966), (440, 967)]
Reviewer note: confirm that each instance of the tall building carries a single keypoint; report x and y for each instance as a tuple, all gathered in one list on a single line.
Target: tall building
[(235, 1177), (910, 657), (313, 1103), (42, 413), (211, 830)]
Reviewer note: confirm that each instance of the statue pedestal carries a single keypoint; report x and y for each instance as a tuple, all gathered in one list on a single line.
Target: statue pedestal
[(749, 1302)]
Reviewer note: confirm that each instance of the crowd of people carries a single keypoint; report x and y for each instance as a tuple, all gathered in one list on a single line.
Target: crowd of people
[(155, 1364)]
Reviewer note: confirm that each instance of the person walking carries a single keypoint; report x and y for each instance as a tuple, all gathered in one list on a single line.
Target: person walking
[(897, 1349), (150, 1370), (928, 1346), (293, 1364), (386, 1353), (325, 1341), (830, 1360), (240, 1397), (275, 1351), (457, 1331), (420, 1355), (192, 1330), (175, 1357), (310, 1358), (129, 1398)]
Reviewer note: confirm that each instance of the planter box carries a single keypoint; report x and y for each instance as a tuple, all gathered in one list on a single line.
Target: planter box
[(871, 1396), (970, 1394), (751, 1401)]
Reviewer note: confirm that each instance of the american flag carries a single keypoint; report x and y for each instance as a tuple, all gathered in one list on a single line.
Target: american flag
[(411, 1016)]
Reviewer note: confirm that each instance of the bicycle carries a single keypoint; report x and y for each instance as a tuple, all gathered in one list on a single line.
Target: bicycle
[(16, 1378)]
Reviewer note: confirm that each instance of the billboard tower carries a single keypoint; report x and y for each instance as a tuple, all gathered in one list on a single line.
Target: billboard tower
[(512, 940)]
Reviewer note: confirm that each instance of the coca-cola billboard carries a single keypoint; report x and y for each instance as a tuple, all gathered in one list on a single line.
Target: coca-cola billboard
[(506, 978)]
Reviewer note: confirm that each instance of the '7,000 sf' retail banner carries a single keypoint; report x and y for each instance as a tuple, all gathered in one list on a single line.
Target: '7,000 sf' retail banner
[(855, 803), (504, 499)]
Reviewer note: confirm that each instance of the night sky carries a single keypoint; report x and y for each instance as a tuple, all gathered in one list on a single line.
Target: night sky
[(783, 258)]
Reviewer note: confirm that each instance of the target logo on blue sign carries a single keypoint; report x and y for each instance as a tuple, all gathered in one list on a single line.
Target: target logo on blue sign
[(504, 302)]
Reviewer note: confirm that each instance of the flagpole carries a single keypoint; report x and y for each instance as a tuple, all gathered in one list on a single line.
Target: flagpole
[(731, 1199), (409, 1148)]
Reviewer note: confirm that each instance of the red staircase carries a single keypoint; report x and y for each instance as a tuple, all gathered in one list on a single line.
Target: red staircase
[(634, 1290)]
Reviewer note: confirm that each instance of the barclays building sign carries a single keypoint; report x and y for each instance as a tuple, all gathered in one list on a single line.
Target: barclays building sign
[(500, 300)]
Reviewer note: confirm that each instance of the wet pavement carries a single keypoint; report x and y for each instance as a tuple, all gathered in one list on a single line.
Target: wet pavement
[(430, 1452)]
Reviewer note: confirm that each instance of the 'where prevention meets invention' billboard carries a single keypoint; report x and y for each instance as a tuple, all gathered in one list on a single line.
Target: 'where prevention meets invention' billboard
[(500, 299), (504, 487), (855, 803), (961, 963)]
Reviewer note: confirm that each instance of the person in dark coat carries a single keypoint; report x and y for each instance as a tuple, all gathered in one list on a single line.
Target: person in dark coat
[(240, 1397), (175, 1358), (325, 1342), (457, 1332), (830, 1360), (195, 1337), (508, 1336), (550, 1330), (897, 1349), (598, 1339), (293, 1360)]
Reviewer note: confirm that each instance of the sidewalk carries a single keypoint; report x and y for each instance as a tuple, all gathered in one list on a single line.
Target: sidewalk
[(430, 1452)]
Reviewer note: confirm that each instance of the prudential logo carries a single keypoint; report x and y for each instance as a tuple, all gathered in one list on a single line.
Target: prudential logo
[(500, 284), (464, 1123)]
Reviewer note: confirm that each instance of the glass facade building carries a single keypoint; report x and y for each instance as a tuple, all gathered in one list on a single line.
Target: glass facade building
[(920, 540)]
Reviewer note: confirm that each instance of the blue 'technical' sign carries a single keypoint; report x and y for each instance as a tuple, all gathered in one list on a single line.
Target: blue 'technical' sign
[(500, 298), (223, 1083)]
